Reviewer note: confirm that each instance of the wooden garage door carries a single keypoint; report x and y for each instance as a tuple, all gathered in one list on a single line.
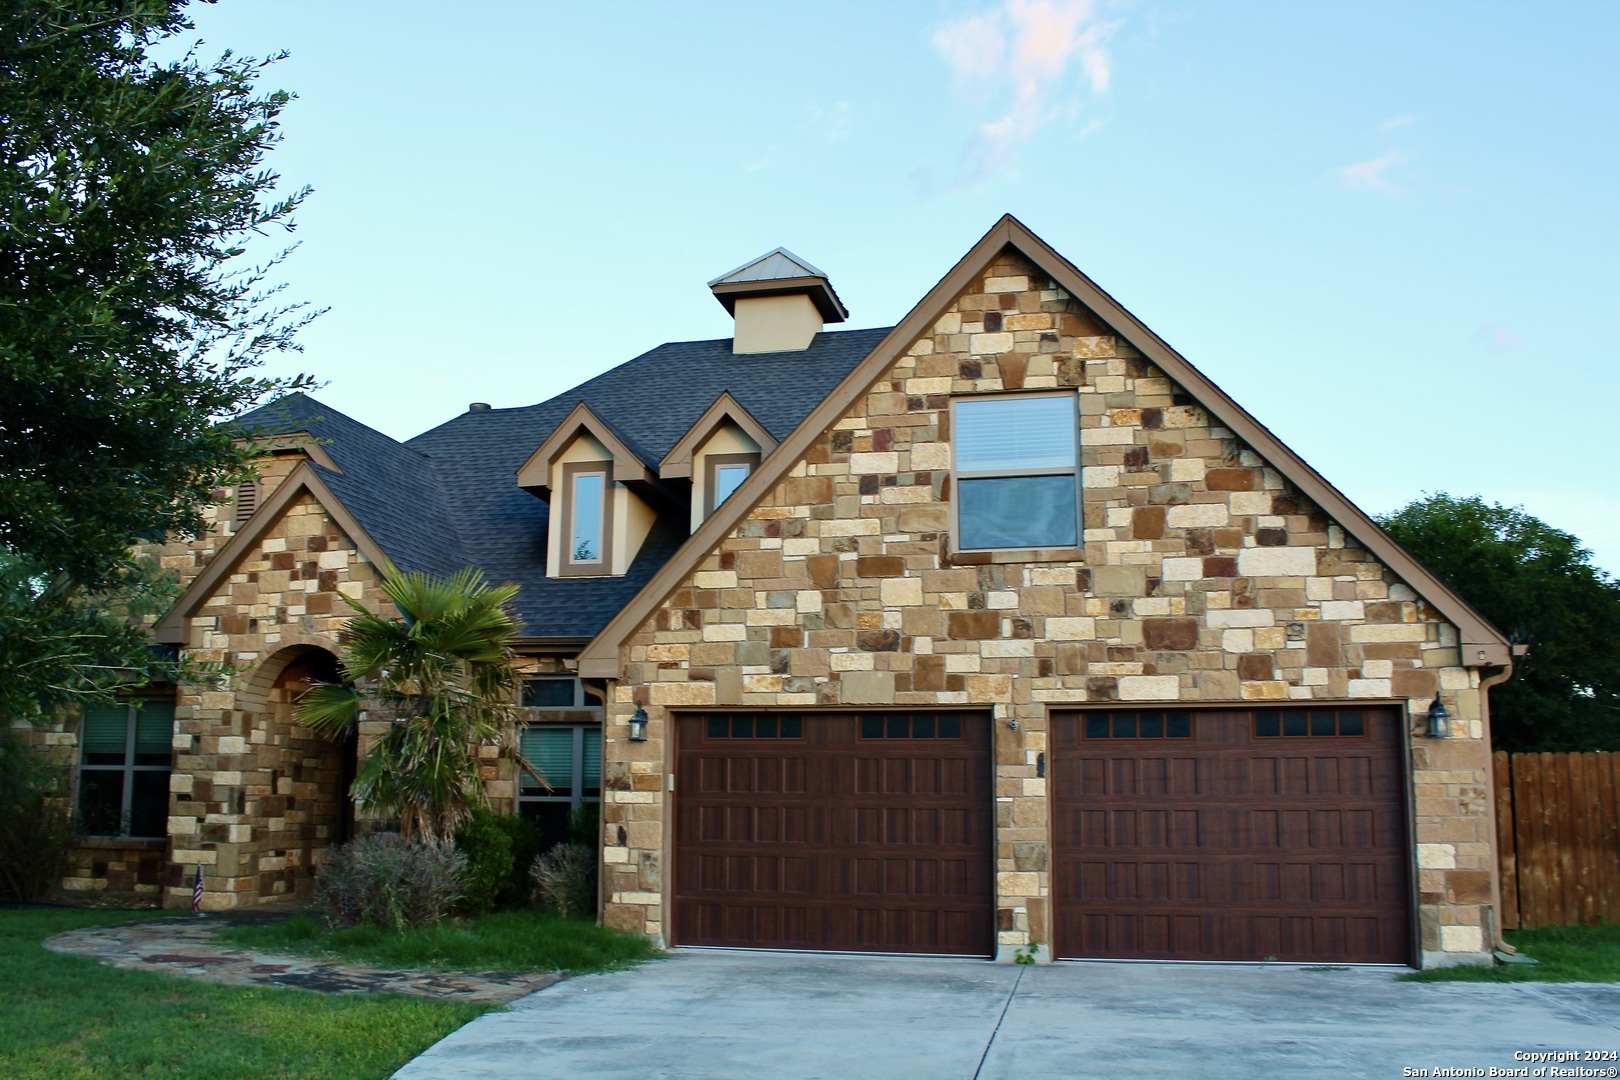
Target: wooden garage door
[(1240, 835), (867, 832)]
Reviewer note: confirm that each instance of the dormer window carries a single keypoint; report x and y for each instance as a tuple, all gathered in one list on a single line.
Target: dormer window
[(726, 474), (588, 511), (604, 499)]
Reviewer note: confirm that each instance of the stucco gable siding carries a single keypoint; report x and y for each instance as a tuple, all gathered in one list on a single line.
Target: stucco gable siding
[(1204, 577)]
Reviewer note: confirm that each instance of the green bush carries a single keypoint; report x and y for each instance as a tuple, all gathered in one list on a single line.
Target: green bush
[(527, 843), (565, 879), (488, 848), (387, 881), (36, 804), (585, 826)]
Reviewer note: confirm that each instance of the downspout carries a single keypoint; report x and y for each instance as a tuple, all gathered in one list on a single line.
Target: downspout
[(1502, 675)]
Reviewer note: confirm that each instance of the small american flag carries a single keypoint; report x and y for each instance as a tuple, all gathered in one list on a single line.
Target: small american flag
[(196, 893)]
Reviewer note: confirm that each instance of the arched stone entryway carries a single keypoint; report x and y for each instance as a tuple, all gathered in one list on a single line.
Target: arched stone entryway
[(300, 807)]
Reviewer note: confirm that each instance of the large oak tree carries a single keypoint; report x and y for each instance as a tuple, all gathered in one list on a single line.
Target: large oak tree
[(1538, 585), (131, 320)]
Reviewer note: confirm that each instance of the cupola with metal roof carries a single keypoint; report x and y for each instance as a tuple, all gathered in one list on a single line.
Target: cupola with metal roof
[(779, 303)]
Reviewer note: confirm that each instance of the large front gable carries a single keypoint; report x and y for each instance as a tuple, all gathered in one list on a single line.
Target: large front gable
[(1215, 578)]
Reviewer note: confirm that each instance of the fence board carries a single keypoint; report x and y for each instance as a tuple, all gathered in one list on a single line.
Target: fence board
[(1558, 837), (1506, 840)]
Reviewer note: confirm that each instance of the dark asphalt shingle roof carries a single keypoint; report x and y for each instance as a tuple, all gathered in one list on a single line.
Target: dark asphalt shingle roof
[(389, 488), (449, 497)]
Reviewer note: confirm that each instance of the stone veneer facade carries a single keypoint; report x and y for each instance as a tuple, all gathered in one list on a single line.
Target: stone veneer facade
[(1205, 577)]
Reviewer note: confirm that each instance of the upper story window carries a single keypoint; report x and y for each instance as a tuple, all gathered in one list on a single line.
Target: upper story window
[(726, 473), (124, 760), (589, 514), (1016, 472)]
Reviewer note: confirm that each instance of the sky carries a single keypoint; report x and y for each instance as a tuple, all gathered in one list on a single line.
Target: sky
[(1388, 230)]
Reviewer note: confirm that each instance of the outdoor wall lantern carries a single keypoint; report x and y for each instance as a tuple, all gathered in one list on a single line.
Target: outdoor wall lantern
[(638, 725), (1439, 720)]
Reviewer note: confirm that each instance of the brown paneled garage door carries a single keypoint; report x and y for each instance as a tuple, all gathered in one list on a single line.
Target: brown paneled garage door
[(868, 832), (1231, 835)]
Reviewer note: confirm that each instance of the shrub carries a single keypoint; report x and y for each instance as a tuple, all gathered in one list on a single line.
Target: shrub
[(388, 881), (527, 844), (36, 804), (488, 849), (565, 878), (585, 825)]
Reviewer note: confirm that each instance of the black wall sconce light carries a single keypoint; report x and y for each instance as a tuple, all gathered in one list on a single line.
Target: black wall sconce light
[(638, 725), (1439, 720)]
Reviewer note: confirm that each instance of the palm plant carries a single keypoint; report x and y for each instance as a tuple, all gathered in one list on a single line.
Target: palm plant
[(443, 674)]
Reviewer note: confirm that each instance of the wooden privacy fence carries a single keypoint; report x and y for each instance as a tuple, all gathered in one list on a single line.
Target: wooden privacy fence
[(1558, 827)]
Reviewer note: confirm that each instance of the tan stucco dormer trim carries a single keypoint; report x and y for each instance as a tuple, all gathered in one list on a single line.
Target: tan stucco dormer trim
[(171, 629), (535, 473), (1481, 645), (678, 463)]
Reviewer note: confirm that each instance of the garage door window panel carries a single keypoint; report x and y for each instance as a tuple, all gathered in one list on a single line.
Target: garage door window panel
[(1016, 466)]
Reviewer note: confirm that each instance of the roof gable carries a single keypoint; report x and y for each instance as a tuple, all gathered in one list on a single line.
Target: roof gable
[(304, 479), (678, 462), (1481, 644), (535, 473)]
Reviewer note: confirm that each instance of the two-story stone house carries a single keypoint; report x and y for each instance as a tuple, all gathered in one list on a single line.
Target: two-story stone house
[(1003, 625)]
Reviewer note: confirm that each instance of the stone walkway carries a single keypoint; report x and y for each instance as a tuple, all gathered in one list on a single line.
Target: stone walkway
[(185, 945)]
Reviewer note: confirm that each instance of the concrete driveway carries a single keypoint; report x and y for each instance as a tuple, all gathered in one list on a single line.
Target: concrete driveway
[(719, 1015)]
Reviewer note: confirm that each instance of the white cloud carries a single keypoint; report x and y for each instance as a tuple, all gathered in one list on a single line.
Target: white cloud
[(1395, 122), (1369, 175), (1501, 337), (831, 123), (1025, 60)]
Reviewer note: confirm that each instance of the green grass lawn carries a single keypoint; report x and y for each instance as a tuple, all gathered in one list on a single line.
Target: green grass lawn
[(502, 941), (69, 1016), (1566, 954)]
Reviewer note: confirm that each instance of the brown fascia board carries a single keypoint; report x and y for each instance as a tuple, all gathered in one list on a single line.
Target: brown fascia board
[(1482, 645), (171, 629), (678, 462), (302, 441), (535, 472), (819, 290)]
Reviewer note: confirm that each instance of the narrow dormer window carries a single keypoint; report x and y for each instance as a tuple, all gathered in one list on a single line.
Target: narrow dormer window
[(726, 473), (588, 516)]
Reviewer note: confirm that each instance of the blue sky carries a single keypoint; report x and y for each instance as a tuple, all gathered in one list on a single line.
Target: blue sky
[(1389, 230)]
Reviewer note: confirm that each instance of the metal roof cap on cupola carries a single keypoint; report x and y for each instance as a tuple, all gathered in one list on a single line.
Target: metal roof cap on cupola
[(779, 302)]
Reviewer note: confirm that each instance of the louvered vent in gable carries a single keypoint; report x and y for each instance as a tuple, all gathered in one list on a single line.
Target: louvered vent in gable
[(247, 501)]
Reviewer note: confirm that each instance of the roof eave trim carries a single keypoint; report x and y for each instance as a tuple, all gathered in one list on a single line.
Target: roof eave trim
[(818, 289), (677, 464), (301, 440), (171, 629), (535, 472)]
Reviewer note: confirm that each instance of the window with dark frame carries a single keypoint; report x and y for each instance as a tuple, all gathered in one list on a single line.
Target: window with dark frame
[(754, 726), (1016, 467), (125, 757), (568, 759), (724, 474), (553, 692), (587, 538), (911, 726), (1309, 723), (1139, 724)]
